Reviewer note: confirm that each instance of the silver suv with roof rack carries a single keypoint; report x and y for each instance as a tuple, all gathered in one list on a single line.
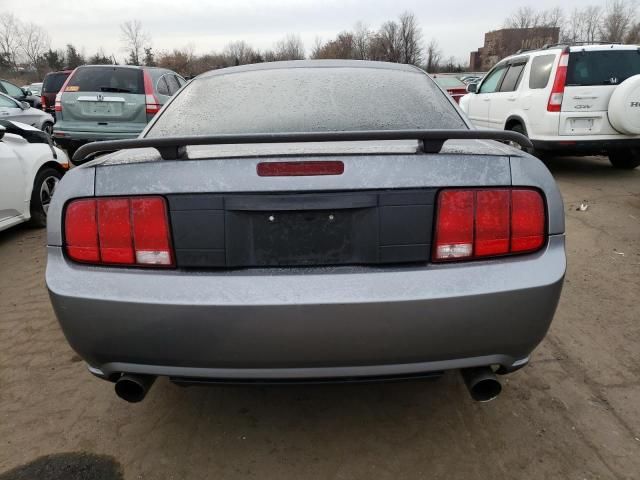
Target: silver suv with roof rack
[(582, 99)]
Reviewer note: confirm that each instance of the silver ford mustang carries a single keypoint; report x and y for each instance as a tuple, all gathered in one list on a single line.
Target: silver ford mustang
[(303, 222)]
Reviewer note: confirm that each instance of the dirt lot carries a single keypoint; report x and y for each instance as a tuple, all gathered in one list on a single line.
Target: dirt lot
[(573, 413)]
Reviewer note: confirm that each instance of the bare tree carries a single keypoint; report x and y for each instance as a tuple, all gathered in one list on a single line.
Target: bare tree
[(361, 40), (434, 55), (619, 16), (583, 25), (410, 39), (35, 42), (239, 53), (290, 48), (9, 39), (134, 39), (390, 42), (523, 17)]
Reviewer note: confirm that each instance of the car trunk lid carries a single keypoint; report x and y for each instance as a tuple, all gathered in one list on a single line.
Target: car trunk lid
[(377, 210)]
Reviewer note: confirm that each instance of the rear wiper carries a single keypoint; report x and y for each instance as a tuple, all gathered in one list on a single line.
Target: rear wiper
[(115, 89)]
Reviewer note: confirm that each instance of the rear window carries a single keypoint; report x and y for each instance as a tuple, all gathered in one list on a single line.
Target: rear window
[(53, 82), (106, 79), (541, 71), (449, 82), (609, 67), (307, 100)]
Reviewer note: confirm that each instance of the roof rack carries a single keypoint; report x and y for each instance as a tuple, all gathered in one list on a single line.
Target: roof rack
[(174, 148), (576, 44)]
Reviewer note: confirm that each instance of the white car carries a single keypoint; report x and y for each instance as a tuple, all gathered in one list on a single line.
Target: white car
[(573, 99), (12, 109), (30, 169)]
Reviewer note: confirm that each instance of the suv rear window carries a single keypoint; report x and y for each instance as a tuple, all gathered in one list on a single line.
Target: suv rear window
[(53, 82), (106, 79), (541, 71), (307, 100), (608, 67)]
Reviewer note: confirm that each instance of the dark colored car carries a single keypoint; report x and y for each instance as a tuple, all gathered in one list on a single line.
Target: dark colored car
[(19, 94), (51, 85), (454, 87), (303, 222)]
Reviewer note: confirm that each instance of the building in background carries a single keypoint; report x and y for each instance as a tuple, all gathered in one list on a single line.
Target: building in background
[(502, 43)]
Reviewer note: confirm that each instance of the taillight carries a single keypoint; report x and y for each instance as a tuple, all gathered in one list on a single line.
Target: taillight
[(481, 223), (151, 101), (118, 231), (43, 102), (557, 91), (57, 106)]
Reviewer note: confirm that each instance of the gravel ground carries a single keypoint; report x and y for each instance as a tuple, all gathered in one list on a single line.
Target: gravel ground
[(573, 413)]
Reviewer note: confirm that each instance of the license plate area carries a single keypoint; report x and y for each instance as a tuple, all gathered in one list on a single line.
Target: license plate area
[(302, 229), (101, 109), (309, 237)]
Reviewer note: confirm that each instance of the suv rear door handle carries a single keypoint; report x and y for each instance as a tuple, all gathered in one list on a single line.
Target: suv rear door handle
[(486, 99), (512, 99)]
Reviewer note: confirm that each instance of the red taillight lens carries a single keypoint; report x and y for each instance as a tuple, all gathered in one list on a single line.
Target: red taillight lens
[(43, 102), (557, 91), (58, 105), (454, 234), (152, 103), (81, 231), (527, 221), (151, 231), (119, 231), (482, 223), (299, 169)]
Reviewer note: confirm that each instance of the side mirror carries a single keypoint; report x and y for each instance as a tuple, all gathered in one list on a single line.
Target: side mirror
[(472, 88), (2, 130), (25, 106)]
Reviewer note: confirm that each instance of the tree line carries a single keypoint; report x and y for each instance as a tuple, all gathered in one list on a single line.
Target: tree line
[(616, 22), (26, 48)]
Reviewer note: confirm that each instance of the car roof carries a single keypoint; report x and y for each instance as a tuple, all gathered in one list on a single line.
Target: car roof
[(312, 64)]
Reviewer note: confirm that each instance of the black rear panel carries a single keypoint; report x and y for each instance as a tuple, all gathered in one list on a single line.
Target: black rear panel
[(302, 229)]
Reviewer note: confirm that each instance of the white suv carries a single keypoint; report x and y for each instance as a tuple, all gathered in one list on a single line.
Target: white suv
[(579, 99)]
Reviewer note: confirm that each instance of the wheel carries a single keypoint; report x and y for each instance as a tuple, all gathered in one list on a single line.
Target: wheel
[(625, 159), (518, 128), (47, 128), (43, 187)]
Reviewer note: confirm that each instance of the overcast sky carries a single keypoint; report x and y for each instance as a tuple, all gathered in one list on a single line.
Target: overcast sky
[(459, 25)]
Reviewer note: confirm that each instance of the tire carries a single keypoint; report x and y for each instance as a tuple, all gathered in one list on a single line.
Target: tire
[(47, 128), (623, 110), (625, 159), (43, 187), (518, 128)]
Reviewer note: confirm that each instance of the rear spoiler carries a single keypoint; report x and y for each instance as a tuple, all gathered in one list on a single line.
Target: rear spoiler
[(174, 148)]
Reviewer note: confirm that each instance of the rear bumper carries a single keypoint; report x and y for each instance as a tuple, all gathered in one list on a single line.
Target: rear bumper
[(586, 147), (307, 323), (78, 137)]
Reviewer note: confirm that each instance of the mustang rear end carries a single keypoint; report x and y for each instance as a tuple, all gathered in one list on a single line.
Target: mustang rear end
[(346, 252)]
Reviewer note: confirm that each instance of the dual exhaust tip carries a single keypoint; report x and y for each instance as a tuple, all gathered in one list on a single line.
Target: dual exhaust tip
[(481, 382)]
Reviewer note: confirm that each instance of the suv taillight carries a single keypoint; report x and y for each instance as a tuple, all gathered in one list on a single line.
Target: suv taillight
[(481, 223), (151, 101), (58, 103), (557, 91), (118, 231), (43, 102)]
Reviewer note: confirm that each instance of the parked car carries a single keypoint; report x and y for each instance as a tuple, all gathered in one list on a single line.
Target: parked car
[(11, 109), (35, 88), (454, 87), (468, 79), (367, 247), (19, 94), (51, 85), (106, 102), (30, 169), (571, 99)]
